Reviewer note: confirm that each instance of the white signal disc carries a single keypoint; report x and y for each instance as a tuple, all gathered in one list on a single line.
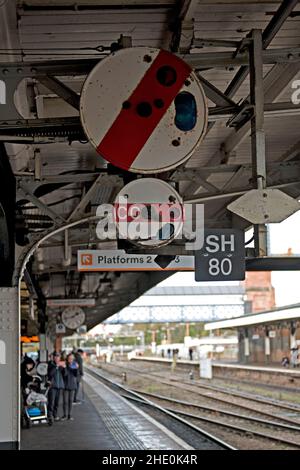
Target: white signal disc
[(160, 201), (128, 111)]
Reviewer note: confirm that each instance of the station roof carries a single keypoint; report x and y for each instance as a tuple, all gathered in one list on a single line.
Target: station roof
[(61, 174), (290, 312)]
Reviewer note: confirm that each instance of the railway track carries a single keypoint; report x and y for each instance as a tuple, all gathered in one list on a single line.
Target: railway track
[(231, 392), (178, 410), (196, 387), (205, 439), (219, 411)]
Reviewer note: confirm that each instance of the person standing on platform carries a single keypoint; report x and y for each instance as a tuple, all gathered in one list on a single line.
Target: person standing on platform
[(78, 358), (55, 377), (174, 360), (70, 382), (294, 357)]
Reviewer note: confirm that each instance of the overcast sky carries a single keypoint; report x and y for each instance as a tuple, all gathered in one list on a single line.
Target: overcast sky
[(282, 237)]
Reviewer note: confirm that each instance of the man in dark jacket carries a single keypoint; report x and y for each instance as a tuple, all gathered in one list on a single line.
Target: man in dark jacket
[(78, 358), (70, 380), (55, 377)]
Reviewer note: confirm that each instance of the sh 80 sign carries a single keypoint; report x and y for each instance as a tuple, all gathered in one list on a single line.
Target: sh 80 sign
[(222, 257)]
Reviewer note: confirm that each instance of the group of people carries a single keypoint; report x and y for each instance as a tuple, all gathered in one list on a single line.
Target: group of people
[(170, 353), (64, 375)]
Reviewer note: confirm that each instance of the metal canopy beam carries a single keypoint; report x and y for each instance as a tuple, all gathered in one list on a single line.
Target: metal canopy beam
[(26, 192), (278, 263), (102, 179), (77, 67), (268, 34), (237, 192), (183, 36), (103, 4), (273, 84), (267, 263), (292, 152), (215, 95), (281, 15), (66, 93), (45, 130)]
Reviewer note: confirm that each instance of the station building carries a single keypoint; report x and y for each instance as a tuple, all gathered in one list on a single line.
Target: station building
[(265, 337)]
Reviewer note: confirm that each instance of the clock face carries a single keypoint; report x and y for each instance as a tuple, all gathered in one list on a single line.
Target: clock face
[(73, 317)]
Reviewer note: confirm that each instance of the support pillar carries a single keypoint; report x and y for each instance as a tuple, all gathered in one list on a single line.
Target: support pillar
[(169, 339), (293, 343), (267, 347), (9, 368), (58, 343), (246, 346), (43, 348), (258, 144)]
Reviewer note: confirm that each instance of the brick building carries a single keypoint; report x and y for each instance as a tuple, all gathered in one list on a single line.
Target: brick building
[(260, 294)]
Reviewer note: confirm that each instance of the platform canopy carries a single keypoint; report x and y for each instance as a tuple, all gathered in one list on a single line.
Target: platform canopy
[(291, 312), (48, 47)]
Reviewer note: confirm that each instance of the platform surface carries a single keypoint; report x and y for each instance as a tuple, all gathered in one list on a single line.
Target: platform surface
[(105, 421)]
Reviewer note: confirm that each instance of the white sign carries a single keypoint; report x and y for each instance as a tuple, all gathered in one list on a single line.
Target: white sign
[(71, 302), (272, 334), (264, 206), (2, 352), (60, 328), (267, 346), (205, 368), (222, 257), (119, 260)]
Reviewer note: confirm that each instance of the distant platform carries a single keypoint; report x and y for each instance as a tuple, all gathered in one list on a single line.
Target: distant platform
[(223, 364), (272, 375)]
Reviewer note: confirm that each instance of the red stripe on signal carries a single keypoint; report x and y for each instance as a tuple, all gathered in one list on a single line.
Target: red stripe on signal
[(129, 132)]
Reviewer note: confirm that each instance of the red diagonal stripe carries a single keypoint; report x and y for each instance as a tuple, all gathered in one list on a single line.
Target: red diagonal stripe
[(129, 132)]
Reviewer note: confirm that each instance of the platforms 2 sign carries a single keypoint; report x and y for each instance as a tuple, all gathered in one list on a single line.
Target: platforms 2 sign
[(222, 257), (118, 260)]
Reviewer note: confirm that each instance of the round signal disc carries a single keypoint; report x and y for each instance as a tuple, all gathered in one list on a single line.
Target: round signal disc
[(132, 110), (150, 207)]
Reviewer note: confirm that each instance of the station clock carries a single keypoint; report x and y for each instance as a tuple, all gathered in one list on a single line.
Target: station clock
[(73, 317)]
